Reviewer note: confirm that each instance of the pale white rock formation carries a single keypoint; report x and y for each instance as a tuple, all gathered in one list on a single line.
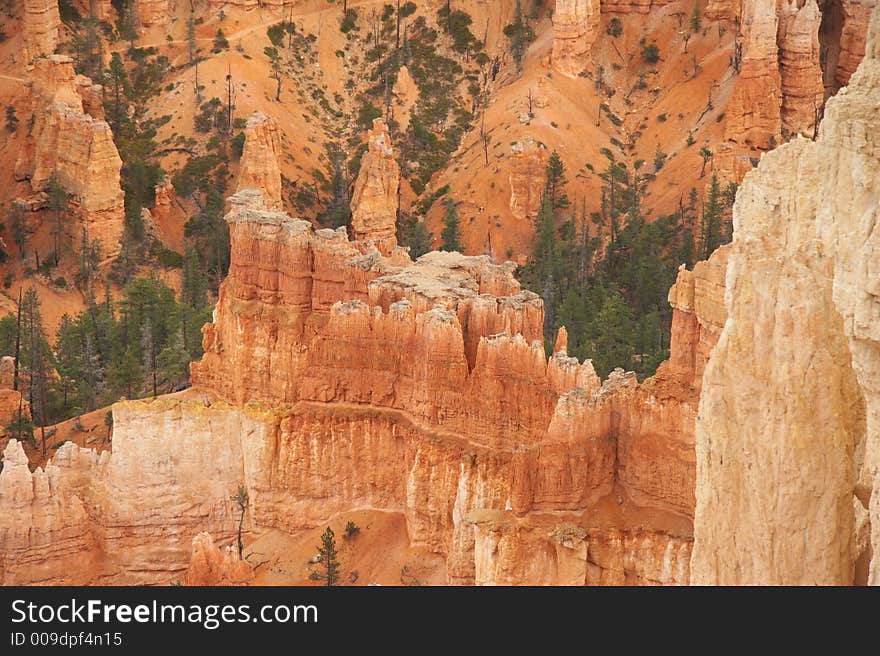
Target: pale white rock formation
[(788, 432)]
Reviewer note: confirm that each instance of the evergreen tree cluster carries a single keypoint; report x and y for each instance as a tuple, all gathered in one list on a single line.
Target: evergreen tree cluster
[(605, 276), (140, 345)]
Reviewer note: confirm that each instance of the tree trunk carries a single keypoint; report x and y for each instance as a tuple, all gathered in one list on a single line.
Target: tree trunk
[(240, 523), (17, 343)]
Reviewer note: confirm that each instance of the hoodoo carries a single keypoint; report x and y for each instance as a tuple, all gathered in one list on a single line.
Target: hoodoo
[(259, 160), (375, 201), (70, 139)]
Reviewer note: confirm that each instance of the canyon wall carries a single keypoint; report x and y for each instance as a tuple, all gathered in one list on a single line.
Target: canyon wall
[(152, 12), (631, 6), (792, 55), (753, 113), (856, 17), (71, 140), (129, 516), (335, 378), (787, 436), (802, 87)]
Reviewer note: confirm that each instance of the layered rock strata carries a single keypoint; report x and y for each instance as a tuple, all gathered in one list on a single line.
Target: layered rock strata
[(803, 89), (792, 56), (754, 110), (856, 17), (41, 27), (788, 436)]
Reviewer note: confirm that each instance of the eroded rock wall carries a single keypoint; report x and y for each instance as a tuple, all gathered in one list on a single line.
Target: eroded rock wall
[(128, 517), (792, 55), (356, 380), (42, 28)]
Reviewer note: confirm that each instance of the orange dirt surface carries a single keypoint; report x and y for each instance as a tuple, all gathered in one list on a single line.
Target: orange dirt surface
[(379, 554)]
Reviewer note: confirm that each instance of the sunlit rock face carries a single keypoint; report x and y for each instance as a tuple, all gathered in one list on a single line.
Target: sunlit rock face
[(258, 168), (42, 28)]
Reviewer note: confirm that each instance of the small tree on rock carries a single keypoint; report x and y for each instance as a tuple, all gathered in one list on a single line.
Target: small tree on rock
[(328, 558), (451, 233), (241, 502)]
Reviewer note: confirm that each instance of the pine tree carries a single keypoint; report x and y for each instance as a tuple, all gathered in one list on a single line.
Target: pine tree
[(696, 22), (713, 209), (19, 227), (556, 182), (276, 68), (412, 233), (37, 359), (328, 558), (451, 234), (125, 374), (706, 154), (57, 205), (119, 90), (173, 364), (220, 42), (241, 502), (520, 34), (614, 342)]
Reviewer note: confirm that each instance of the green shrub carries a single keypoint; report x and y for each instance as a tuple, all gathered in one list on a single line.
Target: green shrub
[(170, 259), (237, 145), (351, 529), (614, 27), (349, 21), (651, 53)]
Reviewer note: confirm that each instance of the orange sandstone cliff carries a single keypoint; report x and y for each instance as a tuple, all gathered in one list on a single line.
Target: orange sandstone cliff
[(575, 27), (41, 27)]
